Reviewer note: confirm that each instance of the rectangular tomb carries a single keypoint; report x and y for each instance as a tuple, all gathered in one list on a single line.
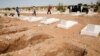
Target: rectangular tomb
[(49, 21), (66, 24), (91, 30)]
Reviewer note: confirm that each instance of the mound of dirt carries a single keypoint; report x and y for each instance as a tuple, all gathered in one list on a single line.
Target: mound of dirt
[(21, 43), (1, 26), (39, 38), (12, 29), (58, 48), (44, 45), (3, 46)]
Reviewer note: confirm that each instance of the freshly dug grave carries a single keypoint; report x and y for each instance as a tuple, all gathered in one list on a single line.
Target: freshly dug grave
[(21, 43), (3, 46), (12, 29), (44, 45), (1, 26), (4, 20), (57, 47)]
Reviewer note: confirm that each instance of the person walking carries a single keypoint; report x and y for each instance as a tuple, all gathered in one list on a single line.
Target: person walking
[(34, 11), (18, 12), (49, 9), (85, 8)]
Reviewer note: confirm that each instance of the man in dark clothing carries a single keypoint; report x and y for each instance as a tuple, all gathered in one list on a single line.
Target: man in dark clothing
[(34, 11), (79, 7), (70, 9), (74, 8), (85, 9), (49, 9), (17, 10)]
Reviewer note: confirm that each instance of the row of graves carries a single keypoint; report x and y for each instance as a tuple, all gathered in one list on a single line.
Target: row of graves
[(89, 29)]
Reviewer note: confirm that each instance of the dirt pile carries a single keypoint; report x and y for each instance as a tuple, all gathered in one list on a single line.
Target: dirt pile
[(1, 26), (3, 46), (44, 45), (12, 29), (58, 48), (21, 43)]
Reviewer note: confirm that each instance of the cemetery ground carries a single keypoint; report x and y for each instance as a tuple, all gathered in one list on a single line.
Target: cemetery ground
[(23, 38)]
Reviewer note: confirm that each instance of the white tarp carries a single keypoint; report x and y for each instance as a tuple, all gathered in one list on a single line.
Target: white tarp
[(91, 30), (49, 21), (66, 24)]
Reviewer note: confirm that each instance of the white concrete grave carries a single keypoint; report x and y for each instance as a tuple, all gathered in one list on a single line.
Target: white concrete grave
[(66, 24), (31, 18), (49, 21), (35, 19), (91, 30), (24, 18)]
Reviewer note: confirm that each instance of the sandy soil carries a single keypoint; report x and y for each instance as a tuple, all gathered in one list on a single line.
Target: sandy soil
[(22, 38)]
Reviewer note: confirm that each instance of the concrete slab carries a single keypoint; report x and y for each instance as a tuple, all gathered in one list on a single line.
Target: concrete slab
[(24, 18), (35, 19), (49, 21), (31, 18), (66, 24), (91, 30)]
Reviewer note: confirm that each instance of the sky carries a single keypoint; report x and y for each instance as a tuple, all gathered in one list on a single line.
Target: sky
[(21, 3)]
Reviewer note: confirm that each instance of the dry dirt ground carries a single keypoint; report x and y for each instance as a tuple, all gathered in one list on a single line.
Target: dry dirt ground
[(22, 38)]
